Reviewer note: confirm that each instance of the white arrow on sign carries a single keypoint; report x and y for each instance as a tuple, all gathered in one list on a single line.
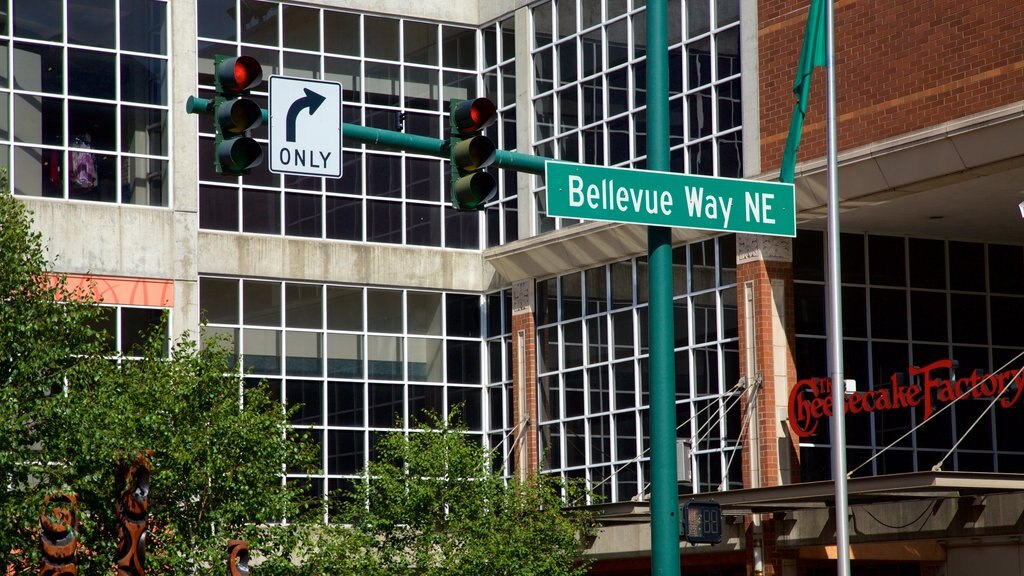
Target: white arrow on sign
[(305, 127)]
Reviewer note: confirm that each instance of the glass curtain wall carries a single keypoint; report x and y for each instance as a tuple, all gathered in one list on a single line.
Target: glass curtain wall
[(592, 350), (908, 302), (84, 99), (589, 87), (359, 362), (396, 74)]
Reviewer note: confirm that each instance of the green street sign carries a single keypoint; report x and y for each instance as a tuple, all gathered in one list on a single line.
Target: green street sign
[(669, 199)]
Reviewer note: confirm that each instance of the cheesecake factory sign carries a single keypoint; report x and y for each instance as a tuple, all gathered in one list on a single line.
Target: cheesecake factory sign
[(811, 400)]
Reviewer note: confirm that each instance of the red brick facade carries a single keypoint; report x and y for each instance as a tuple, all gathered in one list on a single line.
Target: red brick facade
[(524, 328), (900, 67)]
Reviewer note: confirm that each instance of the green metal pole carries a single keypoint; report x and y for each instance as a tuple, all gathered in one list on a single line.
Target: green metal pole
[(664, 489), (437, 148), (401, 141)]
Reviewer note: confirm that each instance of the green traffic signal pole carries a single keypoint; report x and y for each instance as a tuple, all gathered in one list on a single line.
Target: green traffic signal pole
[(425, 145), (664, 487)]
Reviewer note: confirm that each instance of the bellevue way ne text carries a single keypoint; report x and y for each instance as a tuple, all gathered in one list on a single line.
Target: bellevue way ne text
[(669, 199)]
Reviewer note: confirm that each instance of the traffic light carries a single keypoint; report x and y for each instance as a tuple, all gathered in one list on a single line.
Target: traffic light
[(235, 152), (470, 152)]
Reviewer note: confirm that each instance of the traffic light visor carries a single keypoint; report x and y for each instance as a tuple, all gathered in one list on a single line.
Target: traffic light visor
[(474, 115), (237, 75)]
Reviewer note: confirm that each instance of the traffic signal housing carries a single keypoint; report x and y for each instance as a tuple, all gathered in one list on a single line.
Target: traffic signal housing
[(700, 522), (471, 152), (235, 152)]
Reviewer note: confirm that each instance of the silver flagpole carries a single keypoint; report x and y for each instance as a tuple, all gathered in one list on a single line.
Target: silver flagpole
[(835, 325)]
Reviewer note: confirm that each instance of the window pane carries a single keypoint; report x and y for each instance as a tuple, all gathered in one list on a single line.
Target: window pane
[(38, 120), (385, 405), (218, 300), (143, 130), (261, 211), (38, 19), (384, 311), (303, 306), (307, 395), (463, 315), (303, 215), (344, 218), (345, 404), (89, 22), (424, 222), (424, 313), (92, 125), (144, 181), (384, 32), (91, 74), (420, 43), (385, 357), (342, 34), (38, 68), (37, 172), (262, 303), (301, 28), (216, 19), (138, 325), (304, 355), (262, 351), (344, 356), (143, 80), (344, 308), (459, 46), (463, 362), (144, 26), (259, 23), (425, 359)]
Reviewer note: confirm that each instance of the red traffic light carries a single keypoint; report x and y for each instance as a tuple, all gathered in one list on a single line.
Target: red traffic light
[(474, 115), (238, 75)]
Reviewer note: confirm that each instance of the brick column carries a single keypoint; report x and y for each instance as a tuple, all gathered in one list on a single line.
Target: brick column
[(524, 378), (764, 282)]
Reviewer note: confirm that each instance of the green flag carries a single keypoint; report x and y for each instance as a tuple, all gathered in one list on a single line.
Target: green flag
[(813, 53)]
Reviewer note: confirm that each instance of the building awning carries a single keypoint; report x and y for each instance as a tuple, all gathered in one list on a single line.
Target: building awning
[(867, 490)]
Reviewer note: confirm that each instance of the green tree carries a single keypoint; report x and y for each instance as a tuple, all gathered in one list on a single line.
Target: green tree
[(431, 505), (46, 336), (69, 413)]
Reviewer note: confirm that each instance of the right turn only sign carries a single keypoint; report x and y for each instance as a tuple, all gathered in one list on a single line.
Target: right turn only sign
[(305, 127)]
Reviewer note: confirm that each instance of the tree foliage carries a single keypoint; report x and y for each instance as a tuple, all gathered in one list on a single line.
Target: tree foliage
[(69, 413), (431, 505)]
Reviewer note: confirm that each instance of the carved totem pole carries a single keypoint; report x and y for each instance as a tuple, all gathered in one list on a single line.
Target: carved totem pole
[(133, 515), (59, 536), (238, 558)]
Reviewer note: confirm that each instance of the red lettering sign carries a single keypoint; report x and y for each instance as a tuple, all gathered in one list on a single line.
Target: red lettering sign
[(811, 399)]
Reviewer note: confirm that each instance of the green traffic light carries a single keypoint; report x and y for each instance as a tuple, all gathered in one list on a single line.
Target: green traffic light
[(472, 192), (236, 156)]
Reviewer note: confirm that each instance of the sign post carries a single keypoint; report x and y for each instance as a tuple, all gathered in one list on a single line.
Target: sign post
[(305, 127), (670, 199)]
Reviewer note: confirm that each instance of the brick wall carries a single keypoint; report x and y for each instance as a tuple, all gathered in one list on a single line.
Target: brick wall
[(774, 391), (527, 415), (900, 67)]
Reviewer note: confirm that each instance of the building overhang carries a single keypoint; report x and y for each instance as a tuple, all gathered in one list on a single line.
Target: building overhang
[(821, 495), (962, 179)]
